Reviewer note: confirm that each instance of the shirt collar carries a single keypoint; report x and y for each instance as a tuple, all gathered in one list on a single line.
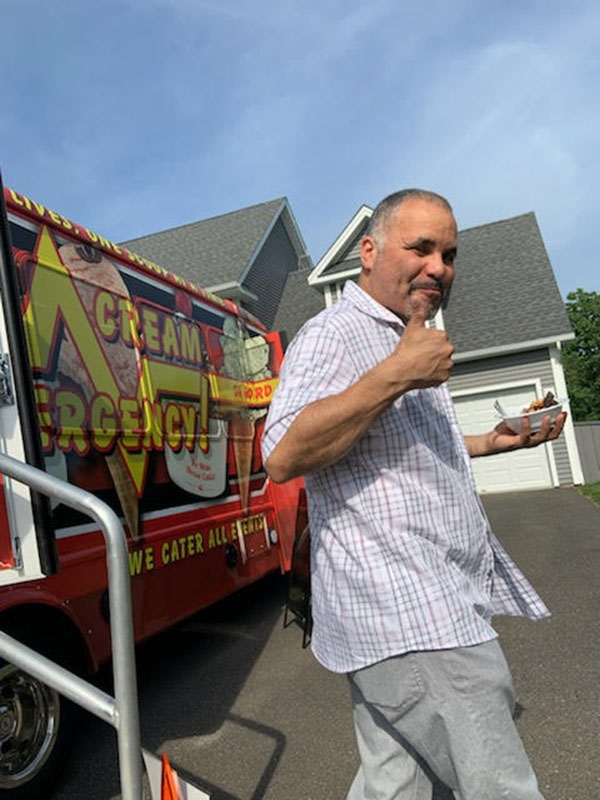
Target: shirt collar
[(357, 297)]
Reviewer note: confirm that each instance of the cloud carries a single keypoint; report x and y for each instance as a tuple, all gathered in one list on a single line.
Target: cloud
[(497, 143)]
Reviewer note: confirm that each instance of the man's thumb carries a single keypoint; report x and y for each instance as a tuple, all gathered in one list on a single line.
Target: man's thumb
[(418, 316)]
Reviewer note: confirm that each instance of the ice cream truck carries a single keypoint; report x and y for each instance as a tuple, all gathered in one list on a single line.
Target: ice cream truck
[(122, 378)]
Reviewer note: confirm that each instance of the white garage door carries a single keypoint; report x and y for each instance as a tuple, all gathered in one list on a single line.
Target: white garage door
[(507, 472)]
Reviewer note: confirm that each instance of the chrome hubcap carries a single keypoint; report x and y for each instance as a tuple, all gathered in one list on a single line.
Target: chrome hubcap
[(29, 719)]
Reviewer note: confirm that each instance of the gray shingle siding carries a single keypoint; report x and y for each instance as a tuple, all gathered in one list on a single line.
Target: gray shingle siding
[(525, 366), (352, 249), (343, 266), (467, 372), (267, 276)]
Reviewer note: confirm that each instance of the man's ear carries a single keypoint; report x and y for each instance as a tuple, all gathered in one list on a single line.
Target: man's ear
[(368, 252)]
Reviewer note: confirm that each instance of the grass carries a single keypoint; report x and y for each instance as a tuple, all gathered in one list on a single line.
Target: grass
[(591, 490)]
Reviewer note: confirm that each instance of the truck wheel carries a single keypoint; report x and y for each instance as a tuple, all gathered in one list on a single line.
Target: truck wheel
[(36, 727)]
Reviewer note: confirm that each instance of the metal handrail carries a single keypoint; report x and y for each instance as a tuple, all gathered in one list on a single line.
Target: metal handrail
[(121, 711)]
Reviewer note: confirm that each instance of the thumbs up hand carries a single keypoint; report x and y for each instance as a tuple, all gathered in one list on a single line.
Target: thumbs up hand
[(418, 317), (423, 357)]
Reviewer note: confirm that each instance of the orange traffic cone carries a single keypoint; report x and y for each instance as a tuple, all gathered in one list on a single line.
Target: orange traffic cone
[(169, 785)]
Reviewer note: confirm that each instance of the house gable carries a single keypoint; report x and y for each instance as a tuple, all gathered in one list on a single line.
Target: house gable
[(342, 259), (244, 255), (267, 274)]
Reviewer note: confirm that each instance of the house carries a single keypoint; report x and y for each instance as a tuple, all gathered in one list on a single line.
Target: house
[(244, 256), (507, 322)]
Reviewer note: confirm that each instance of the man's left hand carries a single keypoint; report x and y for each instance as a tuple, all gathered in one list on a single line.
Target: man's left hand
[(502, 438)]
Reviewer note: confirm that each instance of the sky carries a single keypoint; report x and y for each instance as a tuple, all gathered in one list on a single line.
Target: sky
[(137, 116)]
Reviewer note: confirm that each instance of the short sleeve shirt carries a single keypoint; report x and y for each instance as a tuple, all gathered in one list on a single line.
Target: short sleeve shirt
[(402, 554)]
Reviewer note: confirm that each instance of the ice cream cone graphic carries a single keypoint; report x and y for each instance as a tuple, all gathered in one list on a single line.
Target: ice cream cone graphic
[(125, 491), (92, 271), (241, 430), (245, 359)]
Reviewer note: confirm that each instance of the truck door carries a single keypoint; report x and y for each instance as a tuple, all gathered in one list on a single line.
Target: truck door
[(27, 545)]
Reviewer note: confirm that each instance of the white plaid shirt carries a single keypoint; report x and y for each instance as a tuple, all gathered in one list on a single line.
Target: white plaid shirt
[(402, 554)]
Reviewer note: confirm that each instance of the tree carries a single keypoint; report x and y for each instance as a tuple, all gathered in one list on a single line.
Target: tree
[(581, 357)]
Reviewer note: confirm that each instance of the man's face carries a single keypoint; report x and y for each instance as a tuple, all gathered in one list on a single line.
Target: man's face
[(415, 264)]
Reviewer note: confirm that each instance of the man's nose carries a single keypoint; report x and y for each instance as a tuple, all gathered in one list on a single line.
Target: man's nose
[(435, 265)]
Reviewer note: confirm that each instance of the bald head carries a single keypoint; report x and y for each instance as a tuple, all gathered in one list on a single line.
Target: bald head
[(408, 257)]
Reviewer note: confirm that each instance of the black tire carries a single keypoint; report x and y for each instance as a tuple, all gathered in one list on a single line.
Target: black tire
[(36, 725)]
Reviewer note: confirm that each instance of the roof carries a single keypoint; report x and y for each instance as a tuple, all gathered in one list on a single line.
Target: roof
[(504, 287), (215, 250), (299, 302)]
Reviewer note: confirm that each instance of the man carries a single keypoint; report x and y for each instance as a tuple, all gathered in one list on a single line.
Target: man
[(406, 573)]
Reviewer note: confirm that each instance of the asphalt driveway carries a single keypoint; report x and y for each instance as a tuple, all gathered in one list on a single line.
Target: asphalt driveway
[(555, 538), (244, 712)]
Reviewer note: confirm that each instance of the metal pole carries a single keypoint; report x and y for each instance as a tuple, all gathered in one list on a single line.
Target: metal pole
[(126, 716), (72, 686)]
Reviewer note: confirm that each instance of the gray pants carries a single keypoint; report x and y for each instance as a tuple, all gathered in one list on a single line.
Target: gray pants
[(444, 713)]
